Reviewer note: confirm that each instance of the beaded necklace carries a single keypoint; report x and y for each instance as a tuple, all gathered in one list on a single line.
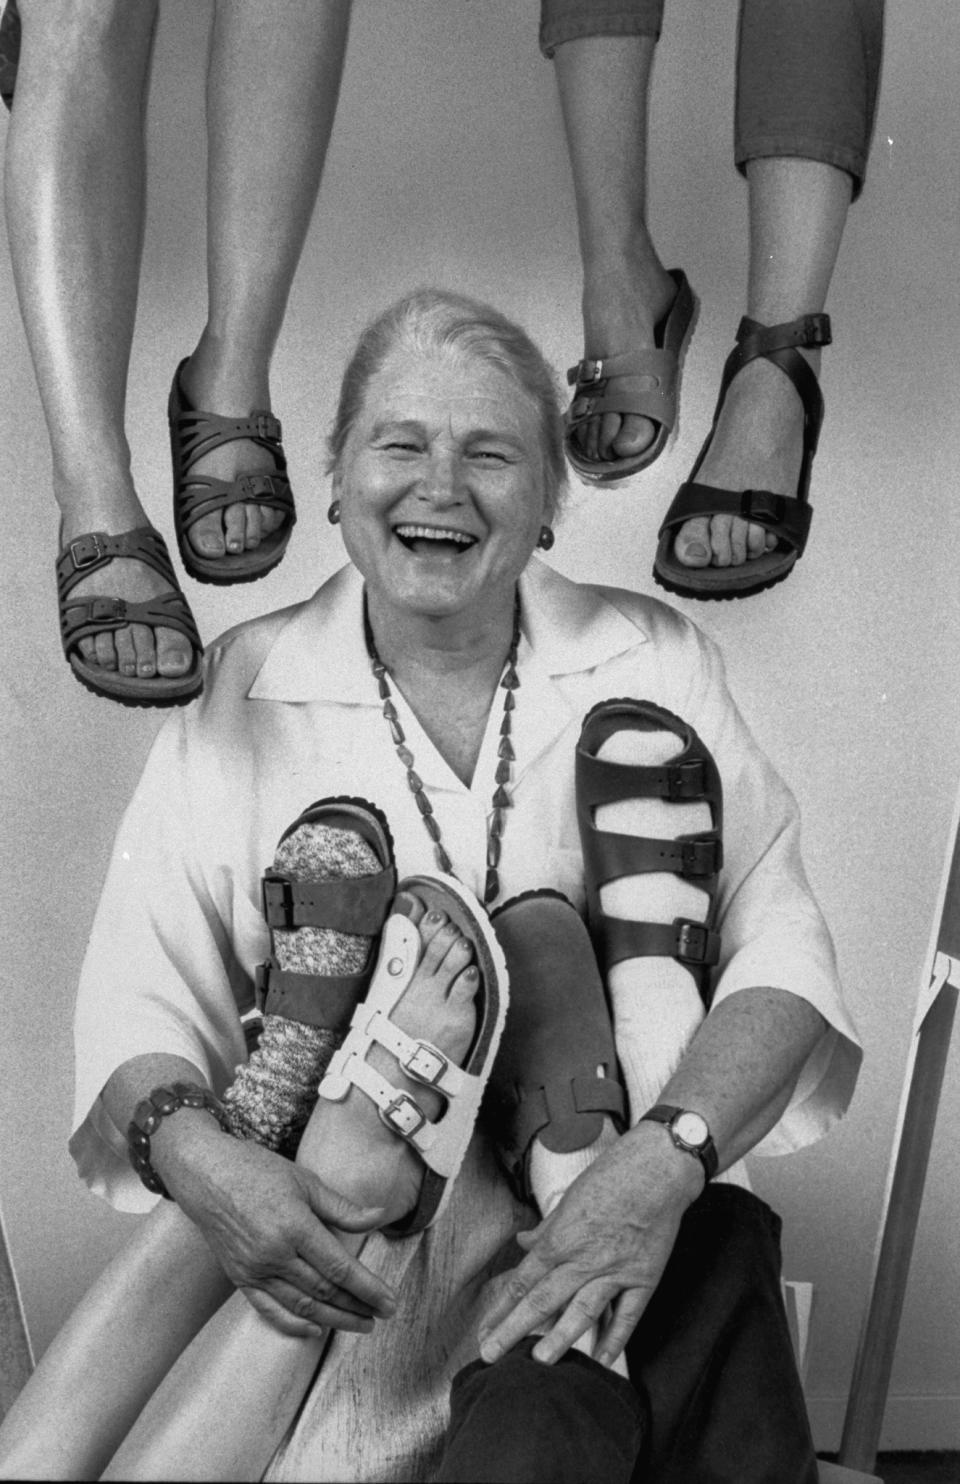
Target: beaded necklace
[(509, 682)]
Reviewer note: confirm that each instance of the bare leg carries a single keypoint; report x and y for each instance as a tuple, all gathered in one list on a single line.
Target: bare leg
[(272, 92), (604, 83), (74, 198), (798, 209), (226, 1405)]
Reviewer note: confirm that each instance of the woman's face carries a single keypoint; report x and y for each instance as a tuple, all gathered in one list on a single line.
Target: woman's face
[(441, 484)]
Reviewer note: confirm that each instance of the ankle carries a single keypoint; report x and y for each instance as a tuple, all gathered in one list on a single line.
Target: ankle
[(223, 370), (106, 507)]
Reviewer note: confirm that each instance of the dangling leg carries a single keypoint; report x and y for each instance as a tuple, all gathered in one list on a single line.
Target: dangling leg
[(74, 201), (272, 91), (807, 80)]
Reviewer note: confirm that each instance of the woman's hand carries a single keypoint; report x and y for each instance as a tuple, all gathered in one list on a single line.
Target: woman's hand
[(606, 1243), (267, 1222)]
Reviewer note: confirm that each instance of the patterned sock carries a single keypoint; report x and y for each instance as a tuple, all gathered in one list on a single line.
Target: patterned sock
[(275, 1092)]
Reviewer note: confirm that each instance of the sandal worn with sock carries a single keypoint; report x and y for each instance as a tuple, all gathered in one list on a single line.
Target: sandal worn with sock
[(555, 1078), (442, 1144), (689, 777), (85, 617), (192, 435), (787, 516), (637, 383), (351, 904)]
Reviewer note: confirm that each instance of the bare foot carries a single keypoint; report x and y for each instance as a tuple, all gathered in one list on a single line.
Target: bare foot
[(758, 444), (241, 527), (347, 1143), (135, 649), (623, 302)]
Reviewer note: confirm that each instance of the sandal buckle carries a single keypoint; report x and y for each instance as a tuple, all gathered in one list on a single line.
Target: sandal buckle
[(106, 610), (85, 551), (403, 1115), (701, 857), (253, 486), (762, 506), (693, 942), (425, 1064), (268, 427), (276, 895), (816, 330), (686, 780)]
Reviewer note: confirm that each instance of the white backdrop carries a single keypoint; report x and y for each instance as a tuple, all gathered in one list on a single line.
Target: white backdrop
[(448, 166)]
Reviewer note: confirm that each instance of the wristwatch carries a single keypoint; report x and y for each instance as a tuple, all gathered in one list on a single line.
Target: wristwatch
[(689, 1131)]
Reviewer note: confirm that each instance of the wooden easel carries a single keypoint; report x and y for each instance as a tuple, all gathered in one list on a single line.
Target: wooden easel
[(923, 1083)]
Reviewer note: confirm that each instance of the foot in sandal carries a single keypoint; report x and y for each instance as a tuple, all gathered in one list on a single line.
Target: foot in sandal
[(416, 1059)]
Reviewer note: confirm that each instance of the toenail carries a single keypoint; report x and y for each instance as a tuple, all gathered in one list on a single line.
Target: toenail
[(471, 973), (146, 668), (434, 917), (129, 669), (395, 966), (696, 549), (235, 545)]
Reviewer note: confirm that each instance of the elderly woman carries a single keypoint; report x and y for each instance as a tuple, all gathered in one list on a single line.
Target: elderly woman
[(399, 681)]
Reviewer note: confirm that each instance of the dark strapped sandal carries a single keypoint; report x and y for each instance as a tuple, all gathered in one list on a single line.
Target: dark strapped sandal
[(689, 777), (85, 617), (194, 434), (9, 51), (787, 516), (355, 904), (637, 383), (555, 1077)]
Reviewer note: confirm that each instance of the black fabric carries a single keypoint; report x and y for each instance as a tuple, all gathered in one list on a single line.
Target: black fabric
[(714, 1395)]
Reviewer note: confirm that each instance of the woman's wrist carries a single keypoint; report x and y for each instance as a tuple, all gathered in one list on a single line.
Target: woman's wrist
[(661, 1163), (184, 1146)]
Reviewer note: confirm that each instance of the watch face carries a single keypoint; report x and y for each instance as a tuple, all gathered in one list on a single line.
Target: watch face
[(692, 1129)]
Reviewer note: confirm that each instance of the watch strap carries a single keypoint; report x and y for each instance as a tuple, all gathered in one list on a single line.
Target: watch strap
[(706, 1153)]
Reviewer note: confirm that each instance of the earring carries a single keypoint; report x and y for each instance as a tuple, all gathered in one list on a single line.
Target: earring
[(545, 539), (333, 514)]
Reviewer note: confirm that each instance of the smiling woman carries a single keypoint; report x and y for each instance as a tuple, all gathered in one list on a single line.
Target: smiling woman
[(498, 715)]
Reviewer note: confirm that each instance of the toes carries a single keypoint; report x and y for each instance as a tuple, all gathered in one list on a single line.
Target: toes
[(430, 925), (88, 651), (720, 539), (770, 541), (126, 653), (270, 520), (635, 434), (738, 542), (145, 649), (756, 539), (174, 652), (692, 546), (253, 526), (609, 426), (106, 654), (589, 439), (206, 536), (235, 527)]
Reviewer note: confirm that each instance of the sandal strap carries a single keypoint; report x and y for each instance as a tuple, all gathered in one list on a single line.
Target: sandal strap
[(694, 857), (643, 385), (554, 1113), (323, 1000), (691, 943), (356, 905), (83, 618), (778, 344), (96, 549), (199, 433), (787, 516), (205, 494)]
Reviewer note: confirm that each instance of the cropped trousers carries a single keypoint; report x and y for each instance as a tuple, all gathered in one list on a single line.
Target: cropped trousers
[(807, 72)]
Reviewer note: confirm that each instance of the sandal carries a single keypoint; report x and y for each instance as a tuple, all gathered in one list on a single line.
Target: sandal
[(443, 1144), (787, 516), (546, 1081), (9, 51), (689, 777), (85, 617), (193, 434), (355, 904), (640, 383)]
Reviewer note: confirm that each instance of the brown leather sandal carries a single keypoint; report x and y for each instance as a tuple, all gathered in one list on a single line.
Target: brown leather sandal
[(84, 617), (194, 434)]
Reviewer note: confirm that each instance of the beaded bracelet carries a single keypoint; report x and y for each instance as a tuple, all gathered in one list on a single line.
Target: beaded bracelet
[(146, 1120)]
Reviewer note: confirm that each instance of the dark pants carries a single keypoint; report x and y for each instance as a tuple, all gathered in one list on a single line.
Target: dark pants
[(714, 1396)]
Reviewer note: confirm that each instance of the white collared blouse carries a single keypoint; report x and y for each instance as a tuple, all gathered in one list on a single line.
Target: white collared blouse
[(291, 714)]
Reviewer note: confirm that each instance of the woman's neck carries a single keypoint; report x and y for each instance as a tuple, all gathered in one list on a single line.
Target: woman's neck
[(412, 645)]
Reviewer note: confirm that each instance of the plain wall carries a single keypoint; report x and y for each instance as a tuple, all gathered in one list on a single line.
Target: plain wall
[(448, 166)]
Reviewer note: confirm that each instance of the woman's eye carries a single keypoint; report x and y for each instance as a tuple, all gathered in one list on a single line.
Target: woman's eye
[(397, 445), (489, 455)]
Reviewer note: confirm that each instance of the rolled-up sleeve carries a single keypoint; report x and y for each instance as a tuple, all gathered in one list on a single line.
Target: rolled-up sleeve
[(773, 932), (160, 975)]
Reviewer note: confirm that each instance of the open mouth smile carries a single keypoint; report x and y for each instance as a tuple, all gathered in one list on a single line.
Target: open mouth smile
[(434, 538)]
